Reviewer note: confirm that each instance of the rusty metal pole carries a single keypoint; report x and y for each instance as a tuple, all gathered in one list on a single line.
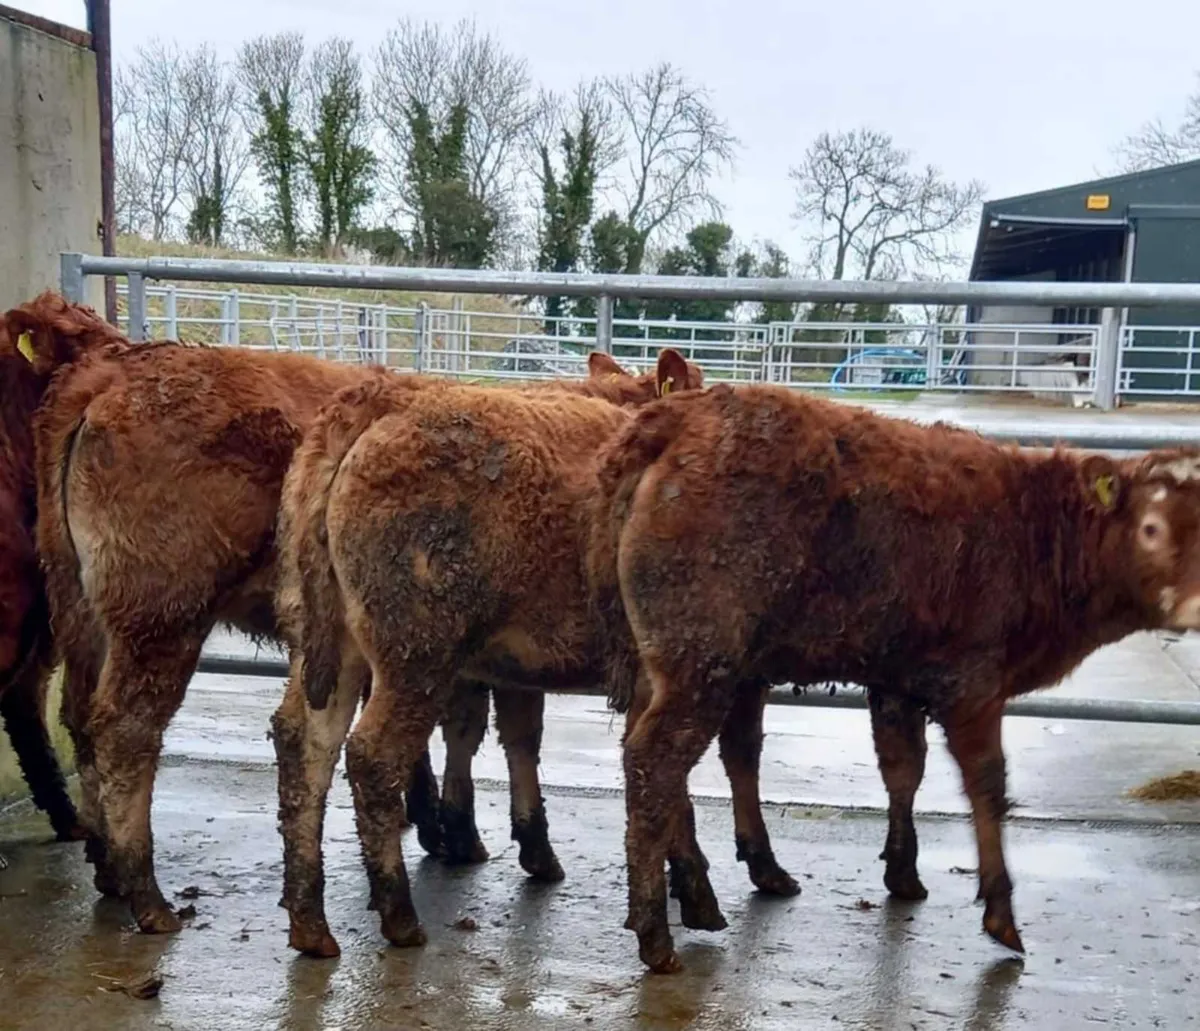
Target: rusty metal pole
[(100, 27)]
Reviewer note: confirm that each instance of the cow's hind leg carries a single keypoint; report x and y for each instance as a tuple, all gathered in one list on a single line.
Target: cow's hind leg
[(898, 727), (519, 721), (741, 753), (688, 877), (667, 740), (307, 745), (687, 865), (81, 675), (423, 805), (23, 707), (973, 738), (386, 741), (463, 730), (678, 871), (138, 693)]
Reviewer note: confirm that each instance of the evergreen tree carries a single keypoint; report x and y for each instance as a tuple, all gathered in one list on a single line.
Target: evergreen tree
[(340, 164), (567, 208), (453, 228)]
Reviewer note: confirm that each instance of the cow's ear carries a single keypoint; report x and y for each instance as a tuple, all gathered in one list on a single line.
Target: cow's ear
[(671, 372), (1103, 484), (601, 364)]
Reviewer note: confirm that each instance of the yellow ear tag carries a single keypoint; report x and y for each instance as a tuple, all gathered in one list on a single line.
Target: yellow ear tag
[(1104, 490), (25, 346), (667, 384)]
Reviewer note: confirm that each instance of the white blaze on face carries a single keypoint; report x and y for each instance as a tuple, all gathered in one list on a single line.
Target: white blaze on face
[(1180, 469), (1155, 538)]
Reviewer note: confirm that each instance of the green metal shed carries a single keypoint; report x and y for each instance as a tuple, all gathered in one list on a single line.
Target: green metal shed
[(1140, 227)]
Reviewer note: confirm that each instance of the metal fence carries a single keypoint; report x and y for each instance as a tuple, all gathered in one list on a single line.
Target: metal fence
[(458, 342), (1079, 362), (842, 696), (1056, 362)]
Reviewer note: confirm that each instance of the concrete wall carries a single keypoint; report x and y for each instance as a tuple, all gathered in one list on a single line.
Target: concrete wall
[(49, 159), (49, 200)]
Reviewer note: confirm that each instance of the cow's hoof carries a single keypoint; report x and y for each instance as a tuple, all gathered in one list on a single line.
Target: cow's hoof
[(542, 865), (905, 885), (661, 960), (774, 880), (158, 920), (702, 914), (461, 845), (314, 941), (406, 935), (1005, 932), (429, 837)]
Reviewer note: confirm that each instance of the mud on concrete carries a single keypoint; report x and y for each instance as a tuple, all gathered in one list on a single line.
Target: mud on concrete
[(1110, 916)]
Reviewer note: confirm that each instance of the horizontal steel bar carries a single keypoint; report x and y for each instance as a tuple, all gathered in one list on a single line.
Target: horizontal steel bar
[(1043, 707), (486, 281), (1034, 427)]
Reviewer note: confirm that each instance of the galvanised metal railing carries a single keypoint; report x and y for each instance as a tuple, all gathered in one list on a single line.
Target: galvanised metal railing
[(1159, 361), (840, 696), (902, 357)]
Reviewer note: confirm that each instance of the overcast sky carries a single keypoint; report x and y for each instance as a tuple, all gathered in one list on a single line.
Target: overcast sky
[(1022, 94)]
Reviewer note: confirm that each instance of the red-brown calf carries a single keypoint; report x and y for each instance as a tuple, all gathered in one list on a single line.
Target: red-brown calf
[(158, 474), (437, 539), (752, 533), (26, 649)]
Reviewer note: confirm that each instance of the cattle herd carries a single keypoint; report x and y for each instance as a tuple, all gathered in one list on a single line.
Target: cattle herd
[(424, 548)]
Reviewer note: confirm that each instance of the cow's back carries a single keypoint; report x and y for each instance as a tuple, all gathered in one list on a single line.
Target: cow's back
[(171, 460), (471, 502), (855, 536)]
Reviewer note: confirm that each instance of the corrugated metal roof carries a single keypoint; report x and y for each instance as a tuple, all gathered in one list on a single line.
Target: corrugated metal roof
[(1034, 232)]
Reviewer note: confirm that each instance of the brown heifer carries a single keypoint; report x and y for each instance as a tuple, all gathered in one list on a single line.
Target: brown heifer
[(449, 830), (435, 541), (159, 472), (753, 533), (25, 643)]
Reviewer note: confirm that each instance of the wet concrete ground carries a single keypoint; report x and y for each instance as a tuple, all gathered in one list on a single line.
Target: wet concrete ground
[(1107, 896)]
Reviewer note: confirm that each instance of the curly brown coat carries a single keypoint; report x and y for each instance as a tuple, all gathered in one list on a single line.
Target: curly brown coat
[(750, 534)]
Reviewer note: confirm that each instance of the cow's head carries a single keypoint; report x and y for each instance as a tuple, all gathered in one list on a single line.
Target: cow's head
[(1155, 505), (672, 372)]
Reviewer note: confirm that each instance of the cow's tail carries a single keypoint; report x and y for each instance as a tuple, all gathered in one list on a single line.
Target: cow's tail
[(622, 466), (311, 610)]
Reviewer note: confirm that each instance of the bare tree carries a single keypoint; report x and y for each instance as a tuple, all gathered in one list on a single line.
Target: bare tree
[(154, 122), (419, 64), (271, 71), (870, 215), (1155, 144), (552, 114), (217, 151), (129, 180), (674, 144)]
